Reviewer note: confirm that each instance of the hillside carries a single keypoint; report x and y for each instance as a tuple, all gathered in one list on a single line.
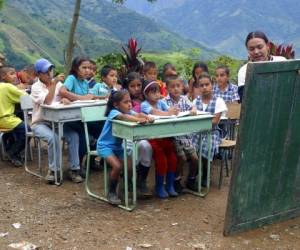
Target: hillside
[(30, 29), (223, 25)]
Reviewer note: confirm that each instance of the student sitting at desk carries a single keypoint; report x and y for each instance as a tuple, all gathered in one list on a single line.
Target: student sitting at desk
[(163, 149), (46, 91), (224, 89), (206, 101), (185, 149), (109, 76), (76, 87), (9, 97), (133, 84), (110, 147)]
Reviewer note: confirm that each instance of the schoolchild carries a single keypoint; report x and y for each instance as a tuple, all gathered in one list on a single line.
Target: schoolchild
[(185, 149), (133, 84), (163, 149), (224, 89), (109, 147), (198, 69), (206, 101)]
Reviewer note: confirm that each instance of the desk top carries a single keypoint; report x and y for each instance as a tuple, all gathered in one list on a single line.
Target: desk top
[(76, 104), (168, 120)]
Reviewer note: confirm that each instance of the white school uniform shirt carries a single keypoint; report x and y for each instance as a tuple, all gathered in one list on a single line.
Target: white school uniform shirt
[(38, 94), (243, 70)]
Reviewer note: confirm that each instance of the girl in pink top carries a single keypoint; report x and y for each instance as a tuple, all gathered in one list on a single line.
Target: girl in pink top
[(133, 84)]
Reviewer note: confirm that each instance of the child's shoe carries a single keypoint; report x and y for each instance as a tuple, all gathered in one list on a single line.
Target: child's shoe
[(113, 198), (177, 186), (143, 190), (192, 184), (160, 188), (170, 184), (75, 176)]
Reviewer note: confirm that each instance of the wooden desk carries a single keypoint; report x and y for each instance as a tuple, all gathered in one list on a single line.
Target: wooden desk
[(161, 128), (59, 114)]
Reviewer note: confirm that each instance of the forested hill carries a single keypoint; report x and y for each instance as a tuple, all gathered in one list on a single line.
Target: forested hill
[(224, 24), (30, 29)]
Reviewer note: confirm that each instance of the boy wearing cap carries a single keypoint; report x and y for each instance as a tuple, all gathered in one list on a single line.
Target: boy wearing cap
[(10, 123), (45, 91)]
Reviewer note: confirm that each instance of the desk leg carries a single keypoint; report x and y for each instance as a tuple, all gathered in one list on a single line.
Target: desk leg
[(134, 157), (60, 135), (208, 164), (54, 154)]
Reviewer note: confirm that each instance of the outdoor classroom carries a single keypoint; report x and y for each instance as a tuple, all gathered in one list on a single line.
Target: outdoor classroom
[(137, 138)]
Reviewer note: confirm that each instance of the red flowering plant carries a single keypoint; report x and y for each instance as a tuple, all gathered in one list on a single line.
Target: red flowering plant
[(131, 58), (286, 51)]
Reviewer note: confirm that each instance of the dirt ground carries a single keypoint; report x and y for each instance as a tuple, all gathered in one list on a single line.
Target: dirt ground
[(65, 217)]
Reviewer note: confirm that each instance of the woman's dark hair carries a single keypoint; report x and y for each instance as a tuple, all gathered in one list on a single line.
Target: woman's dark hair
[(115, 97), (77, 61), (129, 78), (105, 70), (256, 34), (201, 65), (225, 68)]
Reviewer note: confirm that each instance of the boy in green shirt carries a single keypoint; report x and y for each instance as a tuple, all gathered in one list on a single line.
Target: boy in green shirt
[(9, 97)]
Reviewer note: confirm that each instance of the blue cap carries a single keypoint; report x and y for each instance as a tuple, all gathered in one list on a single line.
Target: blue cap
[(42, 66)]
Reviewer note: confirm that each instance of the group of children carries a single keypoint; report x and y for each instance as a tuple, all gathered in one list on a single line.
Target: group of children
[(136, 98)]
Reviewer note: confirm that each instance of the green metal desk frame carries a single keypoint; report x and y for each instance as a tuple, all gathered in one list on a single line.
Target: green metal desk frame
[(130, 131)]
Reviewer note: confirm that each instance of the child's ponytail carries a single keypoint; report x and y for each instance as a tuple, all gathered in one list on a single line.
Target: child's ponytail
[(116, 96)]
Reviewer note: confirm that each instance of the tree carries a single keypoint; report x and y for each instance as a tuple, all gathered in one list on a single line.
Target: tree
[(1, 4), (71, 42)]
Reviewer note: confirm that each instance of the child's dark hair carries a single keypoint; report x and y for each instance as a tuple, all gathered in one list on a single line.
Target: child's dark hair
[(150, 86), (172, 78), (256, 34), (77, 61), (115, 97), (129, 78), (148, 66), (105, 70), (225, 68), (4, 70), (206, 75), (94, 65)]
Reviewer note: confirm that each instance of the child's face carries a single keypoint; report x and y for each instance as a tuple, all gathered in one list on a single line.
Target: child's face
[(175, 88), (151, 74), (84, 70), (124, 105), (10, 76), (221, 77), (153, 96), (170, 72), (198, 72), (111, 79), (205, 86), (93, 71), (135, 88)]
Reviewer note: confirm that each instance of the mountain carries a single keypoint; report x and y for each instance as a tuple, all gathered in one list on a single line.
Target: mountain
[(30, 29), (224, 24)]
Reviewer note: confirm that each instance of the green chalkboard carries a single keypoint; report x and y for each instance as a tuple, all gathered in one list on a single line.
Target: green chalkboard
[(265, 182)]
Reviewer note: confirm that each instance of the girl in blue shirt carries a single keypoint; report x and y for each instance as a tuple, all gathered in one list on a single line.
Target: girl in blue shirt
[(110, 147)]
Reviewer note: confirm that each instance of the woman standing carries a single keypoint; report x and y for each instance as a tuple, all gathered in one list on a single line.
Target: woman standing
[(257, 45)]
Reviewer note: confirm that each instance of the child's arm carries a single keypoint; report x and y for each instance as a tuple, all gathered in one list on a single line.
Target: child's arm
[(64, 93), (216, 118), (131, 118), (147, 117), (171, 111)]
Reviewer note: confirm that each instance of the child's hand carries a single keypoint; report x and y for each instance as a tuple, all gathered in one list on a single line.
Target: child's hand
[(193, 111), (87, 97), (142, 120), (65, 101), (173, 111), (150, 119)]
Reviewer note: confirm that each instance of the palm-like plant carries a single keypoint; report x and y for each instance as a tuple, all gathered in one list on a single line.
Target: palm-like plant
[(131, 58), (286, 51)]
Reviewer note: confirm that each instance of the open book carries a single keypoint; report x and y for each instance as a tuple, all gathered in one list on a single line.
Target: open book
[(180, 114)]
